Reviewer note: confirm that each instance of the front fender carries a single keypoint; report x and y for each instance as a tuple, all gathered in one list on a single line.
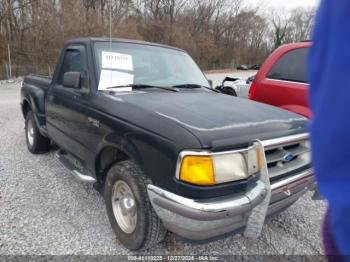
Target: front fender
[(121, 143), (155, 155), (35, 97)]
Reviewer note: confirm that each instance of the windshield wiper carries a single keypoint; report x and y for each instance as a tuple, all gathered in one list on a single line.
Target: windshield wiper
[(172, 89), (195, 86)]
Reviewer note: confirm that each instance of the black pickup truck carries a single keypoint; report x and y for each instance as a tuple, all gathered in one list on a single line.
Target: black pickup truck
[(141, 122)]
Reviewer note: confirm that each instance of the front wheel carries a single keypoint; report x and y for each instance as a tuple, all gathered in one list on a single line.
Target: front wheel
[(129, 210), (36, 142), (229, 91)]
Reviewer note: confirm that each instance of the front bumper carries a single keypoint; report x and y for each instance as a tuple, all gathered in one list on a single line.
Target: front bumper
[(205, 219)]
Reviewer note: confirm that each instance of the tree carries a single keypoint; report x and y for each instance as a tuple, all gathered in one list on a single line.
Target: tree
[(301, 21), (280, 27), (217, 33), (294, 27)]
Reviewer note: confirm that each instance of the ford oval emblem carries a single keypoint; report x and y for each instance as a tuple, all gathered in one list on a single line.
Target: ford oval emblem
[(288, 157)]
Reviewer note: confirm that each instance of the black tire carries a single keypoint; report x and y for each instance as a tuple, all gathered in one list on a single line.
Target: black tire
[(38, 143), (149, 230), (229, 91)]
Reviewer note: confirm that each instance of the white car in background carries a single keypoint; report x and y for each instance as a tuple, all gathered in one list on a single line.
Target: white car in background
[(235, 86)]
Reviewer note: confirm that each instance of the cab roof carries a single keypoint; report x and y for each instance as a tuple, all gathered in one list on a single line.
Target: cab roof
[(88, 40)]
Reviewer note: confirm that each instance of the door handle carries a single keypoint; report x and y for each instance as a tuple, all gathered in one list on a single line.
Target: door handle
[(93, 122)]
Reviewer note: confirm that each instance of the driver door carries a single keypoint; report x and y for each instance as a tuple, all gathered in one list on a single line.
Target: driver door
[(66, 106)]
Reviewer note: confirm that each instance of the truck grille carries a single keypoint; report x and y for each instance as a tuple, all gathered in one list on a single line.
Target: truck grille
[(287, 155)]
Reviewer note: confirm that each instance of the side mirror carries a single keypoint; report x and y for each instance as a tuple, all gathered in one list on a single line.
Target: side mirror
[(210, 83), (72, 79)]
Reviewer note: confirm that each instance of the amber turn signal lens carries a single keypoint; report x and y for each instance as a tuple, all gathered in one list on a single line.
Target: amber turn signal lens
[(197, 170), (260, 158)]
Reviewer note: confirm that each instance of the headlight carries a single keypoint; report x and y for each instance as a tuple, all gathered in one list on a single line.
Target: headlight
[(205, 168)]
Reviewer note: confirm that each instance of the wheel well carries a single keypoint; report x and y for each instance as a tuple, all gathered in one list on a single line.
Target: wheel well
[(106, 158), (25, 108)]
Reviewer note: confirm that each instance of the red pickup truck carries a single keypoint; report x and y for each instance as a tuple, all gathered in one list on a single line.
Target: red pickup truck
[(281, 80)]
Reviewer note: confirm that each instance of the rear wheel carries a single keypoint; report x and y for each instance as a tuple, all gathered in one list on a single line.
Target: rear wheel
[(129, 210), (36, 142)]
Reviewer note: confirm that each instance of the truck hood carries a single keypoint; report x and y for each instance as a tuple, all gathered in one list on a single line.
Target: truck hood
[(218, 120)]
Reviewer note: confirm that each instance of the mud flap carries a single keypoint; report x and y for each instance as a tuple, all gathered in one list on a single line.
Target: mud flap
[(257, 217), (317, 195)]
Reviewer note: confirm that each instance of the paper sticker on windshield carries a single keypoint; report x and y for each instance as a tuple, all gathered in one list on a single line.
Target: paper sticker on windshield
[(110, 78), (114, 60)]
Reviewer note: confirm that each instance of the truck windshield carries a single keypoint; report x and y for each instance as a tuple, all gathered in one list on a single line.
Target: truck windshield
[(120, 64)]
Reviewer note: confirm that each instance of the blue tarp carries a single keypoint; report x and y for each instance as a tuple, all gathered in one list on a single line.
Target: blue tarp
[(329, 77)]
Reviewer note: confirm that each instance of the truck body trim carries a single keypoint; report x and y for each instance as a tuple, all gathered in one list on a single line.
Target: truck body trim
[(201, 220)]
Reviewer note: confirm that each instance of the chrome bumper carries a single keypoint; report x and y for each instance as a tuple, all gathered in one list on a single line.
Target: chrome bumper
[(205, 219)]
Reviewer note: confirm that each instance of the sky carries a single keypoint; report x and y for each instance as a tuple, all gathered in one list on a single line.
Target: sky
[(285, 4)]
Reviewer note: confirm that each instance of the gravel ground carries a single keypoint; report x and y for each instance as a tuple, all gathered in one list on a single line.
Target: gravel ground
[(43, 210)]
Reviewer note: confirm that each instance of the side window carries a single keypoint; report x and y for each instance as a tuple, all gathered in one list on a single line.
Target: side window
[(72, 62), (291, 66)]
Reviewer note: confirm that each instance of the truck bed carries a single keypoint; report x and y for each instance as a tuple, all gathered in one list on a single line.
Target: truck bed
[(40, 81), (33, 94)]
